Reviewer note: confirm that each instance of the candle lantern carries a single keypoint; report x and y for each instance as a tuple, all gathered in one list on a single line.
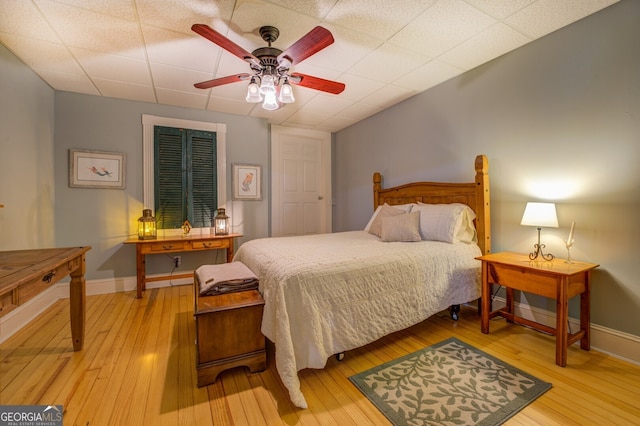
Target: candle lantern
[(221, 223), (147, 226)]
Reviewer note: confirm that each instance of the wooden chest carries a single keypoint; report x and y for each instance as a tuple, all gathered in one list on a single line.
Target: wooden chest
[(228, 333)]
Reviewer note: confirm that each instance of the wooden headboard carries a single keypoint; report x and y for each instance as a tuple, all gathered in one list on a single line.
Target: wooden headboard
[(474, 194)]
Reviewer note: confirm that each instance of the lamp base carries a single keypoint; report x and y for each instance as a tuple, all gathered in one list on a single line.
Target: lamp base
[(538, 253), (538, 250)]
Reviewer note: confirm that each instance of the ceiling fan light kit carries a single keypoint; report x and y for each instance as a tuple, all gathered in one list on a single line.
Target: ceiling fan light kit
[(270, 81)]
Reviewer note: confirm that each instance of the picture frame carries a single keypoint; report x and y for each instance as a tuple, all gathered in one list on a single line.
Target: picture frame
[(247, 182), (96, 169)]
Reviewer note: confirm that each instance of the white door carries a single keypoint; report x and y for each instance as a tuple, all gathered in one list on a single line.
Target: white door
[(301, 181)]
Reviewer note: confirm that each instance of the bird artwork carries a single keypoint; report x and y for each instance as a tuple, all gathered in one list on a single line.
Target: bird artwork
[(102, 172), (246, 183)]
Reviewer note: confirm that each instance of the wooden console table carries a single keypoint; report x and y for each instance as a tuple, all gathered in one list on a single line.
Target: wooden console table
[(554, 279), (25, 273), (176, 244)]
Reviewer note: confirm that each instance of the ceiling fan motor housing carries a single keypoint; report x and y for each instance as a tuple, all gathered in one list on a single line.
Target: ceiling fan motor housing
[(269, 62)]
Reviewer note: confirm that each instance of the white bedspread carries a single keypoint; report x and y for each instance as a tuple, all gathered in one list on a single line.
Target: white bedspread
[(326, 294)]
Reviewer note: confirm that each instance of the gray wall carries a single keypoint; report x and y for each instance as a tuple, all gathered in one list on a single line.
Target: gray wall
[(104, 218), (559, 120), (26, 157)]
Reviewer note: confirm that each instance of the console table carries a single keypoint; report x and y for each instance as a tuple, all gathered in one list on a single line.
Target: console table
[(25, 273), (176, 244), (554, 279)]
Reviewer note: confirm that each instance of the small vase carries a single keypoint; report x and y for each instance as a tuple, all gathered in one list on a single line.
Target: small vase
[(569, 255)]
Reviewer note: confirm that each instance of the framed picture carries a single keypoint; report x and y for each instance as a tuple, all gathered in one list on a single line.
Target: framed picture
[(96, 169), (247, 182)]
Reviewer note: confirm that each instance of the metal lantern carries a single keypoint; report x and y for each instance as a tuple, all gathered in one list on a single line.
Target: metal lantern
[(147, 226), (221, 223)]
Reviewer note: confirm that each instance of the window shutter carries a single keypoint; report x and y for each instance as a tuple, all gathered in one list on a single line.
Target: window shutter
[(170, 176), (203, 178)]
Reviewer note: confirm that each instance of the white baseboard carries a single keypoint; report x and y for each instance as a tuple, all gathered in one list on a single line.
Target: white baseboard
[(22, 315), (613, 342), (128, 284)]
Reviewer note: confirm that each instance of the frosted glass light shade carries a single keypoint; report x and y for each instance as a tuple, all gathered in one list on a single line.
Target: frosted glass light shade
[(253, 92), (286, 93), (540, 214), (267, 85), (270, 102)]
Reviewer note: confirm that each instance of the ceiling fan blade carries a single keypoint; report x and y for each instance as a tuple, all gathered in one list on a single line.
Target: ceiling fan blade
[(217, 38), (222, 80), (310, 44), (317, 83)]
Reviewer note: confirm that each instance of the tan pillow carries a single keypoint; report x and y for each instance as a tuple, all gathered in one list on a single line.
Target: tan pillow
[(404, 227), (450, 223), (385, 211)]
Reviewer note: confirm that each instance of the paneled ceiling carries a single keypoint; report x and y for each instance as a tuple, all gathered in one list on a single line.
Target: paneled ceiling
[(385, 51)]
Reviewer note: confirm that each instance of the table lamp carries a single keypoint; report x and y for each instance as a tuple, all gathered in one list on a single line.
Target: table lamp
[(540, 215)]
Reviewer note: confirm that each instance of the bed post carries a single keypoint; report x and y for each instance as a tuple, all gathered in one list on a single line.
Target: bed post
[(377, 187), (483, 213)]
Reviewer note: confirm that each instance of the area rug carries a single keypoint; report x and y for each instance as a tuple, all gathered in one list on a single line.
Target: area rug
[(449, 383)]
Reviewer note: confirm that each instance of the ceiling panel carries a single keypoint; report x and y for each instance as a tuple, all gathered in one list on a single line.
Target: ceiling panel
[(144, 50)]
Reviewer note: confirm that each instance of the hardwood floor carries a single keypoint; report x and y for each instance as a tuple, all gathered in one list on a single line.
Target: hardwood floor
[(138, 368)]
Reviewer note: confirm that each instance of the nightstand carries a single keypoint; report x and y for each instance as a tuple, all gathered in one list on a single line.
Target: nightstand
[(554, 279), (228, 333)]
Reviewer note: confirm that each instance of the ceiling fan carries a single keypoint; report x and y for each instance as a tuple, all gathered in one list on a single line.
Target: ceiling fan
[(270, 77)]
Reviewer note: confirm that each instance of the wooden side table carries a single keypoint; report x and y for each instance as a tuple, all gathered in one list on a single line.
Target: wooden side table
[(228, 333), (176, 244), (554, 279)]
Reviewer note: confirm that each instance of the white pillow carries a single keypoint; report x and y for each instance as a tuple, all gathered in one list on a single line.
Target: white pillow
[(403, 227), (450, 223), (404, 207)]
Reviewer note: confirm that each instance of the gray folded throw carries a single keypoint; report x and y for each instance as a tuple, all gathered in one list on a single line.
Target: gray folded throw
[(225, 278)]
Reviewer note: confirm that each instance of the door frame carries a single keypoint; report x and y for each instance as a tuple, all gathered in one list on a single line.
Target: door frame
[(325, 170)]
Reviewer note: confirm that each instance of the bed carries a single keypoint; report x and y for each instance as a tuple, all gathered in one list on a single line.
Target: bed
[(329, 293)]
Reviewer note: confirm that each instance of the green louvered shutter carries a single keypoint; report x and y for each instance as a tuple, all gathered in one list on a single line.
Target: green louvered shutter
[(170, 176), (203, 182), (185, 177)]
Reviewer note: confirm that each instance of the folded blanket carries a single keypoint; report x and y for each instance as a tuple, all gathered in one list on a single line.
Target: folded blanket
[(225, 278)]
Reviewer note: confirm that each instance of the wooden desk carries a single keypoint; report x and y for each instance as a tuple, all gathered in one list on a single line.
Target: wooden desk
[(176, 244), (25, 273), (553, 279)]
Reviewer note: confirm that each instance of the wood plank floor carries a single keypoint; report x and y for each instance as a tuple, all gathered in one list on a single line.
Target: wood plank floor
[(138, 368)]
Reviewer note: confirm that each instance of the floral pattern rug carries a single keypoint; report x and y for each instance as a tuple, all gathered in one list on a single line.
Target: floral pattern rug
[(449, 383)]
